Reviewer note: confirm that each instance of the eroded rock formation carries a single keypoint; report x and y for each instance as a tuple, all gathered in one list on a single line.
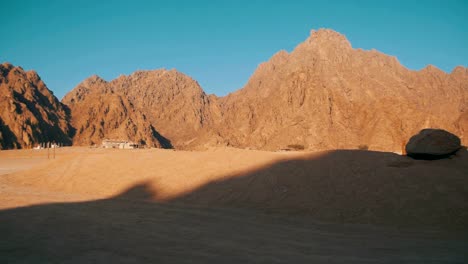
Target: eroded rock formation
[(29, 112), (327, 95), (160, 108), (322, 95)]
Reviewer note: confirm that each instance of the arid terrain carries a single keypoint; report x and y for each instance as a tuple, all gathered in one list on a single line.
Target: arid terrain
[(322, 95), (204, 188), (225, 205)]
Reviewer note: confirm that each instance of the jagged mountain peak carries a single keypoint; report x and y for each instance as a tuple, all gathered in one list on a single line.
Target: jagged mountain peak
[(29, 112), (327, 38), (324, 35), (433, 69), (322, 95), (6, 66), (144, 106), (460, 70), (327, 95), (93, 79)]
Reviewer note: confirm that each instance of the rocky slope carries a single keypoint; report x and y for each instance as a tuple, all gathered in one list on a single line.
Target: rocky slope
[(29, 112), (157, 108), (322, 95), (327, 95)]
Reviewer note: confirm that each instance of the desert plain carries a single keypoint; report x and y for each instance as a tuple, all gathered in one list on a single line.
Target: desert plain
[(227, 205)]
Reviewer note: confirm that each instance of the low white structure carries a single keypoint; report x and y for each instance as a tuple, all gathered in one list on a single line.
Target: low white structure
[(45, 145), (120, 144)]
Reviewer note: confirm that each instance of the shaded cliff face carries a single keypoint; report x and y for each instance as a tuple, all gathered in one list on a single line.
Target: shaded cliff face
[(158, 108), (29, 112), (327, 95)]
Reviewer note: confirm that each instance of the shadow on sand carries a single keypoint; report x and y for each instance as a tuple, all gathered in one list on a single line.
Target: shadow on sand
[(270, 215)]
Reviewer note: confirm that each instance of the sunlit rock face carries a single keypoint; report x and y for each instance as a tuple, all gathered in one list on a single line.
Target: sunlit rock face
[(159, 108), (327, 95), (322, 95)]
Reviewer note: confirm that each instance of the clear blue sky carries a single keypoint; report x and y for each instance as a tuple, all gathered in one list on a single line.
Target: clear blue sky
[(218, 43)]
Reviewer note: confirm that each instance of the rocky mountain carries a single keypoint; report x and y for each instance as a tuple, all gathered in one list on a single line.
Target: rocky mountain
[(323, 95), (327, 95), (160, 108), (29, 112)]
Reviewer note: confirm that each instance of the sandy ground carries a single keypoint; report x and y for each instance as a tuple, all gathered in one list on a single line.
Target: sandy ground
[(133, 206)]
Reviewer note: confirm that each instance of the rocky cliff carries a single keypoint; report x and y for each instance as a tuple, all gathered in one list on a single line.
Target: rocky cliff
[(160, 108), (29, 112), (323, 95), (327, 95)]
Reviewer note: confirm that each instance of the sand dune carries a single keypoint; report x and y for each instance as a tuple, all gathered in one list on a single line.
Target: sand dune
[(231, 205)]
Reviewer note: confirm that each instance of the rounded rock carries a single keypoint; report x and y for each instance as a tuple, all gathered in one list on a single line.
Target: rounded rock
[(432, 144)]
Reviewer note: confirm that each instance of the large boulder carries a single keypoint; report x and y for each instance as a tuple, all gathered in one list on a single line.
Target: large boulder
[(432, 144)]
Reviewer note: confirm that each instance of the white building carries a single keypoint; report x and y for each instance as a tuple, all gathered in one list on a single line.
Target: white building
[(119, 144)]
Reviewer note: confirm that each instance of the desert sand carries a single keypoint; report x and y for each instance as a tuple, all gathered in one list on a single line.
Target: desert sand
[(91, 205)]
